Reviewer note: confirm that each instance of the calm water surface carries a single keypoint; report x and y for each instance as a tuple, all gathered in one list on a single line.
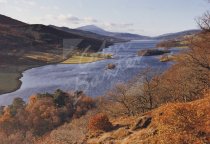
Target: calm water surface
[(93, 78)]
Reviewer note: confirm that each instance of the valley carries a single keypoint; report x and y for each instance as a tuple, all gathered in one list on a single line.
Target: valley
[(25, 46), (104, 72)]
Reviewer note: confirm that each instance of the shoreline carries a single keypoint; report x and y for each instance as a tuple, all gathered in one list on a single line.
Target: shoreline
[(18, 79)]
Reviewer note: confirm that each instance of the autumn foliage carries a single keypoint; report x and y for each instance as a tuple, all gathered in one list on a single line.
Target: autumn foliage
[(43, 113), (173, 123), (99, 122), (183, 123)]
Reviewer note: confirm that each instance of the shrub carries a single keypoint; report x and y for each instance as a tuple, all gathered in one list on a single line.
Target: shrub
[(109, 56), (100, 122), (60, 98), (83, 105), (169, 44), (17, 104), (42, 113)]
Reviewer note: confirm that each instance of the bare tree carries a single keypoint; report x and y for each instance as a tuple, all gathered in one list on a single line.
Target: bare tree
[(199, 53), (204, 22), (134, 97), (147, 82), (119, 95)]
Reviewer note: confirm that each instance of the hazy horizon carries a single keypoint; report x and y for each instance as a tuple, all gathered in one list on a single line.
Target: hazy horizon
[(145, 17)]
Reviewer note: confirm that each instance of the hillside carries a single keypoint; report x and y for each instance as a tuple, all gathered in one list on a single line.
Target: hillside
[(172, 123), (100, 31), (177, 35), (4, 20), (15, 34)]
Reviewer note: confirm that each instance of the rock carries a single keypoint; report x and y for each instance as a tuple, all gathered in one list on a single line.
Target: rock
[(152, 52), (111, 66), (143, 122)]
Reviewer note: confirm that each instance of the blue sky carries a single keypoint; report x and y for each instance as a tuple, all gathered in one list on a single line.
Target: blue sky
[(147, 17)]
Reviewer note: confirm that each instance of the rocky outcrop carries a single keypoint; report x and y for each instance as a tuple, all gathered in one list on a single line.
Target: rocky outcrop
[(111, 66), (142, 122), (152, 52)]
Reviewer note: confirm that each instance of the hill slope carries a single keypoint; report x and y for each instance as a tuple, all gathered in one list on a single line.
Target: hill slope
[(176, 35), (172, 123), (4, 20), (15, 34)]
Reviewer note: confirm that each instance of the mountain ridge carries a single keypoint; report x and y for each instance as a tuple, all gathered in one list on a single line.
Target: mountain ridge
[(87, 33), (125, 36), (175, 35), (129, 36)]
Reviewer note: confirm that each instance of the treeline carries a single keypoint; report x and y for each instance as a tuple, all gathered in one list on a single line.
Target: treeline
[(24, 123)]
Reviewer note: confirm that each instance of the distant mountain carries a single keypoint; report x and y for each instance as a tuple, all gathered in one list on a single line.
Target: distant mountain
[(129, 36), (88, 34), (176, 35), (100, 31), (94, 29)]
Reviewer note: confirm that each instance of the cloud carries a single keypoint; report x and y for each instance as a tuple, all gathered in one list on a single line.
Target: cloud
[(71, 21), (117, 26), (76, 20), (3, 1), (90, 20), (68, 19)]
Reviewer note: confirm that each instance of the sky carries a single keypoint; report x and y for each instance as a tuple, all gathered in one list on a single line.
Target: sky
[(145, 17)]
